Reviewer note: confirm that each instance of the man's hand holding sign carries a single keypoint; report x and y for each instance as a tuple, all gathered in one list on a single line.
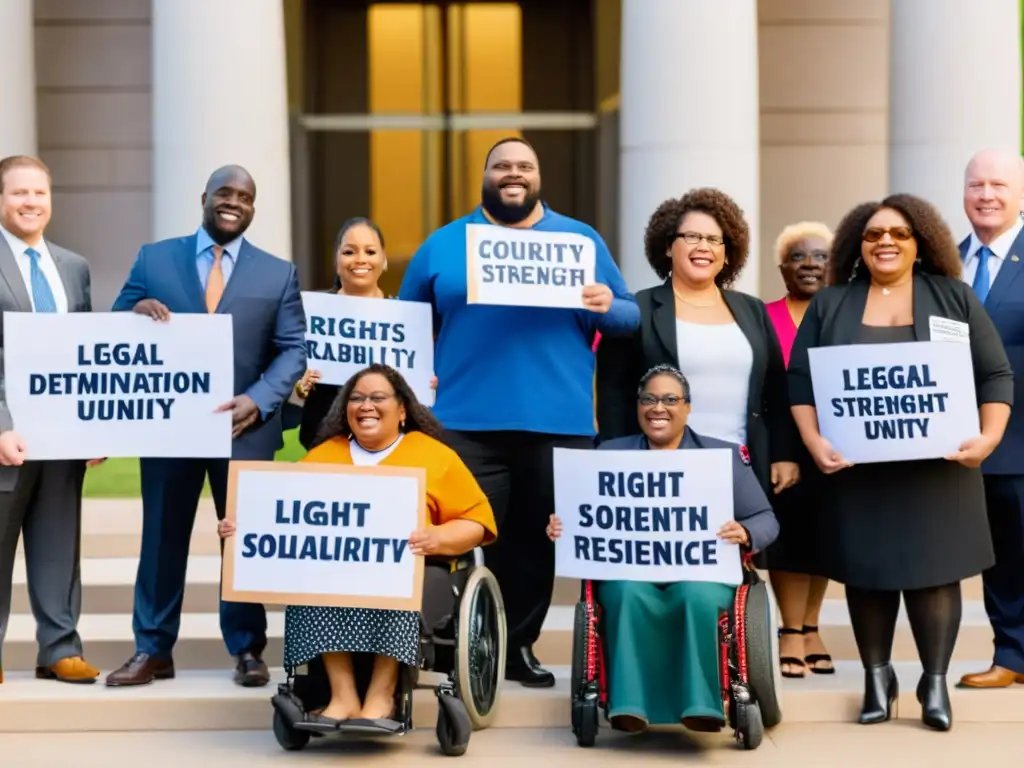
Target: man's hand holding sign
[(244, 412)]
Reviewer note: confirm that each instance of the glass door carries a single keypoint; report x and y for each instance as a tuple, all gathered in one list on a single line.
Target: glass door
[(404, 99)]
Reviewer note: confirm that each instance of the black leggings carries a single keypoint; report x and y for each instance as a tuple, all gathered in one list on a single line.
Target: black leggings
[(934, 614)]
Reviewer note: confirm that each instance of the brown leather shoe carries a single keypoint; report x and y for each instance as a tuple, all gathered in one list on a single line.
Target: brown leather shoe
[(995, 677), (73, 669), (141, 669), (250, 671)]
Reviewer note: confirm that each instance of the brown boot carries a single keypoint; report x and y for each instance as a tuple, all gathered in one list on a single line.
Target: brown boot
[(141, 669), (995, 677), (73, 669)]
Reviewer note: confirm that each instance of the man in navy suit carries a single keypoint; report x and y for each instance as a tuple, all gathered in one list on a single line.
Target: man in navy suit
[(213, 270), (993, 185)]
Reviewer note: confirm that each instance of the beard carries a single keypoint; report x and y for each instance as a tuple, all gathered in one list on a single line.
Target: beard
[(218, 235), (506, 213)]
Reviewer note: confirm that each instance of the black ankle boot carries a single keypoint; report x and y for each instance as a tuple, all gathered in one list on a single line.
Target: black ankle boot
[(932, 693), (880, 691)]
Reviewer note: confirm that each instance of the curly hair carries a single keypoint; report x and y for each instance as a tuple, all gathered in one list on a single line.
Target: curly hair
[(664, 223), (418, 417), (794, 233), (936, 250)]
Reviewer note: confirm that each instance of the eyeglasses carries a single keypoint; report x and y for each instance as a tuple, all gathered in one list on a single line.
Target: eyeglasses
[(669, 401), (799, 257), (874, 234), (692, 238), (376, 398)]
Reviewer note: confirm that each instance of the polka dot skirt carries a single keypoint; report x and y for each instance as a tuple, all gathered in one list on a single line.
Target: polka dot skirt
[(310, 631)]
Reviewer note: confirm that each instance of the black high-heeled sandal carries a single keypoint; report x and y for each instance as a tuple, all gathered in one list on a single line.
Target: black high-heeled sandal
[(814, 659), (792, 661)]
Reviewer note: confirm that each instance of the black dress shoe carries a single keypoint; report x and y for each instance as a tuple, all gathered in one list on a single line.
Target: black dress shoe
[(880, 691), (250, 671), (522, 667), (933, 695)]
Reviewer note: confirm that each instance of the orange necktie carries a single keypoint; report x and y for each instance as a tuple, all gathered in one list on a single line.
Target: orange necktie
[(215, 282)]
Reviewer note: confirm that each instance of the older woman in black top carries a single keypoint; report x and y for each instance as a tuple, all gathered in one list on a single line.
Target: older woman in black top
[(720, 338), (914, 527)]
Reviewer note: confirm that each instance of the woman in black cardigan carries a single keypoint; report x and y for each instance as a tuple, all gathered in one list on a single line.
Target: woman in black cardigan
[(721, 339), (910, 528)]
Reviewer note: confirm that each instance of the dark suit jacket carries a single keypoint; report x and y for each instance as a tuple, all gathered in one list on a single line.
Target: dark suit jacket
[(750, 505), (262, 297), (622, 361), (1005, 305), (835, 316), (74, 274)]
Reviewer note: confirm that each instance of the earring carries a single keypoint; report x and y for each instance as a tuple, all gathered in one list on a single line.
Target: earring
[(401, 425), (853, 272)]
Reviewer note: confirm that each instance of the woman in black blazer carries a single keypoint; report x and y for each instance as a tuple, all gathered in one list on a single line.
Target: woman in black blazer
[(915, 528), (721, 339)]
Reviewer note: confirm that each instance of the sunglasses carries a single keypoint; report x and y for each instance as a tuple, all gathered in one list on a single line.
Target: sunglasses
[(874, 234)]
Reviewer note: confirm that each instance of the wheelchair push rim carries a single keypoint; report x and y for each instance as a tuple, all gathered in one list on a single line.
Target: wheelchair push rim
[(481, 647)]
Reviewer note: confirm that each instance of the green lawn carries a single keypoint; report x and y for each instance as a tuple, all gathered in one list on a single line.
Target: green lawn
[(119, 478)]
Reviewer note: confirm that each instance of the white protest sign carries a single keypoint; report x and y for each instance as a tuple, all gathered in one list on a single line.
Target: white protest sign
[(344, 334), (117, 384), (324, 534), (528, 268), (895, 402), (648, 516)]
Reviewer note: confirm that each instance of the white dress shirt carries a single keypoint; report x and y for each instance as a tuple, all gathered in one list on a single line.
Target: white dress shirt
[(46, 264), (1000, 248)]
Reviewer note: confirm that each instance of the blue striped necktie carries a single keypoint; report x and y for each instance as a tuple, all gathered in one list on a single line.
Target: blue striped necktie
[(42, 294)]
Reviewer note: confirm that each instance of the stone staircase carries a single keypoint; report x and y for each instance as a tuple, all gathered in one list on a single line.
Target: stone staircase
[(204, 698)]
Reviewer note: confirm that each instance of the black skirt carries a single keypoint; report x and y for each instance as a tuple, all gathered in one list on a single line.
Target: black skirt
[(802, 543), (906, 525)]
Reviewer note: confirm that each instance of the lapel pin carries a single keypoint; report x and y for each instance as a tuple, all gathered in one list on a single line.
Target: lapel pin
[(1014, 257)]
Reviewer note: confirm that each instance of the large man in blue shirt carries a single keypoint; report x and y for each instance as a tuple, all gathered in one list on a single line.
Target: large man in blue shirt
[(214, 270), (514, 383)]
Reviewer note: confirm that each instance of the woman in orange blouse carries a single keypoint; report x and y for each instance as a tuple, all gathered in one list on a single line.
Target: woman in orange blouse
[(376, 419)]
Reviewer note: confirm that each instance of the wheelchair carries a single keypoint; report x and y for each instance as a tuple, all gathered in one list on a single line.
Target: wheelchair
[(748, 659), (462, 636)]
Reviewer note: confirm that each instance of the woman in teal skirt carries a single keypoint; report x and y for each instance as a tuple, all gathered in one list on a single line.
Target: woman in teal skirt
[(661, 640)]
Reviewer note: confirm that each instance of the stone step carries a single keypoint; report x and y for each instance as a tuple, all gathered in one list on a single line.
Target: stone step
[(209, 701), (108, 638), (112, 528), (108, 585)]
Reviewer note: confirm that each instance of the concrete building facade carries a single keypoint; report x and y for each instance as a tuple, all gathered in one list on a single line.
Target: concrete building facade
[(798, 108)]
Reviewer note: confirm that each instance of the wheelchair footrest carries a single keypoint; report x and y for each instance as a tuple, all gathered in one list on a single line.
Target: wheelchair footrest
[(379, 727)]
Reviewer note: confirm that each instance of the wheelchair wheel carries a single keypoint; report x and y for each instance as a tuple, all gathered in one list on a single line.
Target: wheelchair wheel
[(585, 717), (749, 727), (579, 650), (454, 728), (762, 654), (480, 647), (289, 739)]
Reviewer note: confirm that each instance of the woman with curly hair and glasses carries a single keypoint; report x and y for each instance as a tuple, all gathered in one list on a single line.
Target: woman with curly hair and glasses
[(911, 528), (376, 419), (720, 338)]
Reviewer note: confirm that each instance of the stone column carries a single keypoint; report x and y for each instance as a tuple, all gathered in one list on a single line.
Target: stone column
[(689, 115), (955, 88), (18, 125), (220, 98)]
